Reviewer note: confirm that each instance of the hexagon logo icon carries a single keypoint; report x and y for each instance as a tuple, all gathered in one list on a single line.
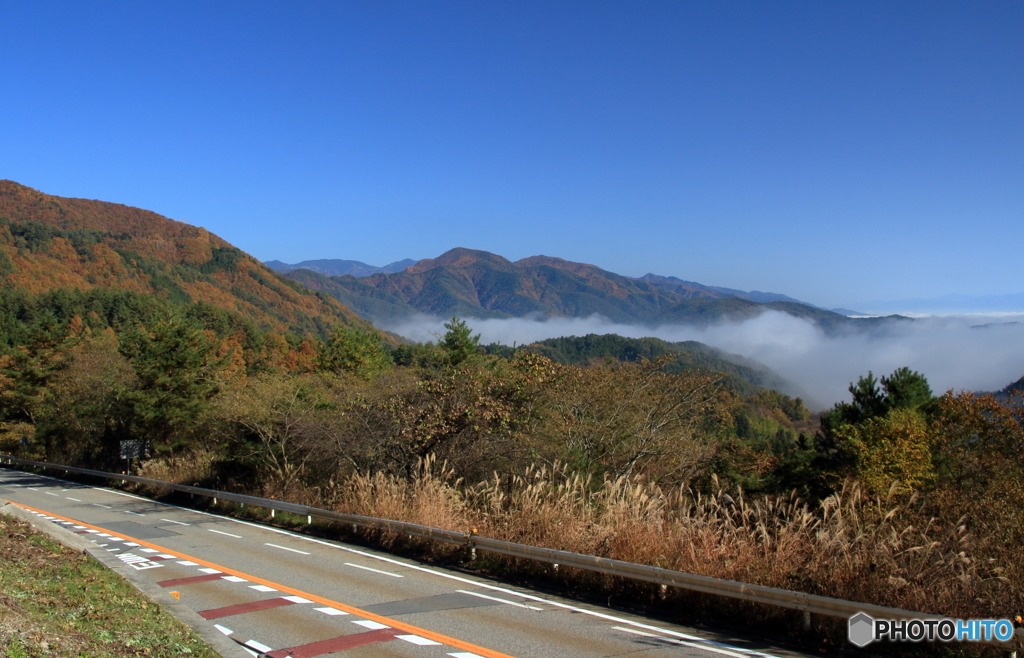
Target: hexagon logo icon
[(862, 629)]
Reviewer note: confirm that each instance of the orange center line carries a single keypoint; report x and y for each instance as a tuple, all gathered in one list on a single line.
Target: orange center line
[(415, 630)]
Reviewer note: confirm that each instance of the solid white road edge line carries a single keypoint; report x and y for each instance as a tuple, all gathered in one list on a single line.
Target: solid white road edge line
[(672, 640)]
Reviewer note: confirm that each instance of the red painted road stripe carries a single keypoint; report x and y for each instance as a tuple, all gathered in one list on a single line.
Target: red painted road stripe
[(337, 644), (265, 604), (191, 579)]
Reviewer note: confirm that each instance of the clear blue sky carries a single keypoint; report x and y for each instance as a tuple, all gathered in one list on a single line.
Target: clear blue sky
[(832, 151)]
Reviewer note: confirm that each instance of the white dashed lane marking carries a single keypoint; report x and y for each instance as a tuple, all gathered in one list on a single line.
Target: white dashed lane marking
[(416, 639), (495, 598), (296, 599), (134, 513), (331, 611), (384, 573), (262, 648), (173, 521), (74, 499), (285, 548), (104, 506), (372, 625), (262, 588), (225, 533)]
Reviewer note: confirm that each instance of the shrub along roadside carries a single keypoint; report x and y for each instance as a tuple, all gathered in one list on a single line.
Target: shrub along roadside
[(57, 602)]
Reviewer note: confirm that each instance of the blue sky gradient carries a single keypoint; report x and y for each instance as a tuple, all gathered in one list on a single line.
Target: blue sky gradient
[(834, 152)]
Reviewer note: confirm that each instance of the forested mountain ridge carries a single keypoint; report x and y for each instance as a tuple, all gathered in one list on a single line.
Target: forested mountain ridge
[(743, 375), (472, 283), (50, 243), (693, 289)]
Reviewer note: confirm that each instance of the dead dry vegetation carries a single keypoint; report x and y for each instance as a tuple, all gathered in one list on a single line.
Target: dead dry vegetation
[(883, 549)]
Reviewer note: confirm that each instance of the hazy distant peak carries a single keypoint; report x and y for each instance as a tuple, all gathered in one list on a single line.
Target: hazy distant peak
[(339, 267), (398, 265)]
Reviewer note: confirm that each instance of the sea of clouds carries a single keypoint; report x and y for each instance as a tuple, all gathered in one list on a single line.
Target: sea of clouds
[(953, 352)]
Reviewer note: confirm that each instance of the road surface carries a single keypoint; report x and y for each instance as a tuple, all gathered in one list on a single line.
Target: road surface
[(283, 594)]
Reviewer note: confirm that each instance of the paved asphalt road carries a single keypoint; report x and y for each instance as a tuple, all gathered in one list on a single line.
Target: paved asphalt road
[(284, 594)]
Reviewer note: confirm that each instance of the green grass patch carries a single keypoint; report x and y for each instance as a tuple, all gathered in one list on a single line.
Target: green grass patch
[(55, 601)]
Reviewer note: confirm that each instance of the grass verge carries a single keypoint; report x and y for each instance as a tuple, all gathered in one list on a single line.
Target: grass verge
[(57, 602)]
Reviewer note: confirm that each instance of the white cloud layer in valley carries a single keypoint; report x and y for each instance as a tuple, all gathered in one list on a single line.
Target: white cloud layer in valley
[(951, 351)]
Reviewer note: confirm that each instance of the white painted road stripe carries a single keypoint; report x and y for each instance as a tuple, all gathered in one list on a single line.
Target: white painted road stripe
[(173, 521), (331, 611), (359, 566), (225, 631), (225, 533), (106, 506), (296, 599), (234, 579), (135, 513), (285, 548), (74, 499), (262, 648), (416, 639), (262, 588), (671, 640), (371, 624), (495, 598)]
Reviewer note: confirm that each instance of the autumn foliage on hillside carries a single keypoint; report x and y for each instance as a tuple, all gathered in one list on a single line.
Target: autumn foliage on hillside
[(49, 243)]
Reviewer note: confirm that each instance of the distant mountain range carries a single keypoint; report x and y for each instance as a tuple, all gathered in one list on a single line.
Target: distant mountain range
[(951, 304), (338, 267), (479, 284)]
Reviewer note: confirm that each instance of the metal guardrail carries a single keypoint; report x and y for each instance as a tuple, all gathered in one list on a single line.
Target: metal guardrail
[(807, 603)]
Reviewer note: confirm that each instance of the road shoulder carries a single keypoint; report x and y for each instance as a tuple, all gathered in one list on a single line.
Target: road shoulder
[(203, 628)]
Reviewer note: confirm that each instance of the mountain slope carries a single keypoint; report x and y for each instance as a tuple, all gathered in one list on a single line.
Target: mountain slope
[(49, 243), (741, 374), (692, 289), (480, 284)]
